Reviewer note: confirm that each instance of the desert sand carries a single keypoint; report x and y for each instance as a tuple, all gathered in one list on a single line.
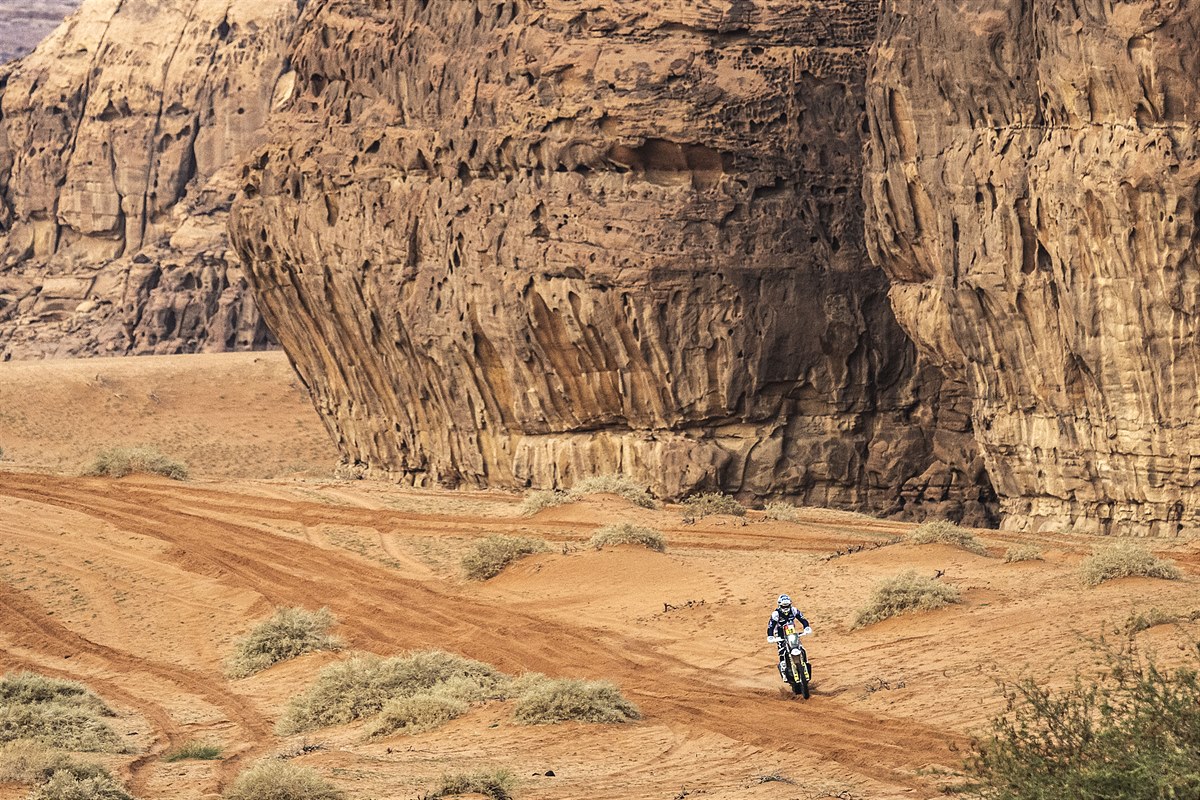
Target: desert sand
[(137, 587)]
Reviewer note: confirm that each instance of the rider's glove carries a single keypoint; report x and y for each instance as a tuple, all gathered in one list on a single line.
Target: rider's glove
[(772, 638), (808, 630)]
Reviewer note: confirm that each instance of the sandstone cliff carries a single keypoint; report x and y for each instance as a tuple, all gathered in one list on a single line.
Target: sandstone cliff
[(1033, 189), (515, 243), (115, 136)]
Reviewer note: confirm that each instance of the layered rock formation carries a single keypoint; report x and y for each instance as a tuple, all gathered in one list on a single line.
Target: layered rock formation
[(115, 141), (514, 243), (1033, 187), (23, 24)]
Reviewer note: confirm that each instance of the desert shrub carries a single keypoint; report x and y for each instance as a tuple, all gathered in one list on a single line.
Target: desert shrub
[(421, 712), (194, 751), (55, 713), (78, 782), (1145, 620), (1025, 552), (1132, 733), (783, 512), (537, 500), (702, 505), (117, 462), (629, 489), (942, 532), (498, 784), (1124, 560), (25, 761), (543, 700), (488, 557), (361, 686), (628, 534), (905, 592), (290, 632), (280, 780)]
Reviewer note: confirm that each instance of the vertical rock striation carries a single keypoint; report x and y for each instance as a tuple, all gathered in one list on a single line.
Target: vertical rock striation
[(518, 243), (115, 140), (1033, 190)]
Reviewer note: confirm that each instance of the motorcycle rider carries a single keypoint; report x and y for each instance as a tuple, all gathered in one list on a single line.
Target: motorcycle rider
[(783, 614)]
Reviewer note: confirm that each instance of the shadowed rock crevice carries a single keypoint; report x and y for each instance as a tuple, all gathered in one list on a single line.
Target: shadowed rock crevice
[(518, 244)]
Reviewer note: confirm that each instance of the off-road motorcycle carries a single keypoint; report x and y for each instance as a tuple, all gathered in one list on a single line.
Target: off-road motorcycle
[(794, 667)]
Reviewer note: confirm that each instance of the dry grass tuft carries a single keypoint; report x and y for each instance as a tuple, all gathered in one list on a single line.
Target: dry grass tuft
[(55, 713), (117, 462), (905, 592), (281, 780), (628, 534), (488, 557), (291, 632), (703, 505), (1125, 560), (1025, 552), (194, 751), (54, 775), (942, 532), (421, 712), (781, 512), (497, 784), (542, 701), (537, 500), (361, 686), (600, 484), (631, 490), (81, 782)]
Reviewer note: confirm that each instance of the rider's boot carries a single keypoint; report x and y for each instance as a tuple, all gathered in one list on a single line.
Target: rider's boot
[(783, 670)]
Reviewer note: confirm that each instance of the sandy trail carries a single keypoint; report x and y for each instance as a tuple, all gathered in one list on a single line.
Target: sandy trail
[(138, 588)]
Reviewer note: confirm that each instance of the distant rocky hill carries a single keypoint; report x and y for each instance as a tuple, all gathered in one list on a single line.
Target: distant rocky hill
[(120, 143), (23, 24)]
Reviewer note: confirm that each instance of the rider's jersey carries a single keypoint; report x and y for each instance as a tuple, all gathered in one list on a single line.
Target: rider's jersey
[(779, 618)]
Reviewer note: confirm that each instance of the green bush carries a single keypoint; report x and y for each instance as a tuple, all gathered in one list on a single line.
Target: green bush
[(194, 751), (542, 700), (703, 505), (1022, 553), (614, 484), (281, 780), (289, 633), (905, 592), (362, 685), (498, 784), (942, 532), (55, 713), (1124, 560), (488, 557), (117, 462), (1132, 734), (628, 534), (421, 712)]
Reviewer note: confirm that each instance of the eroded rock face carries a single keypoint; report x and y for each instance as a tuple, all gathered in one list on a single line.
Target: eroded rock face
[(1033, 189), (115, 138), (515, 243)]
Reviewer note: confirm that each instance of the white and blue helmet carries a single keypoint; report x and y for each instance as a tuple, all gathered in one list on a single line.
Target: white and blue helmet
[(785, 602)]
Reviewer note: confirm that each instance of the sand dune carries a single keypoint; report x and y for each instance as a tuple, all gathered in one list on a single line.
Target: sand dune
[(138, 587)]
